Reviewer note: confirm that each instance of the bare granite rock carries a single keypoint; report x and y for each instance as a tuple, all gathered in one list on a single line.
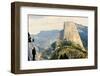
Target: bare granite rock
[(71, 33)]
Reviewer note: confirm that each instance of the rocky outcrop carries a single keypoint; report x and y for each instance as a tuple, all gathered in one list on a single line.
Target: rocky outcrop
[(71, 33)]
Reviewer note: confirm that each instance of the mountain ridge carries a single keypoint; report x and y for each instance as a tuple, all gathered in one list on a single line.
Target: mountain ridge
[(45, 38)]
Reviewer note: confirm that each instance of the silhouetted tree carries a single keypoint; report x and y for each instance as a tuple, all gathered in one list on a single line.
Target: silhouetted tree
[(33, 50), (29, 37)]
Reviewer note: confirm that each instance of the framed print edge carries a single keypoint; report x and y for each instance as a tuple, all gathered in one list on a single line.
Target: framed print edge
[(12, 38), (96, 37), (15, 37)]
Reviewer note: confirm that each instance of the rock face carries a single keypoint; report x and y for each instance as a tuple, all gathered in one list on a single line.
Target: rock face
[(71, 33)]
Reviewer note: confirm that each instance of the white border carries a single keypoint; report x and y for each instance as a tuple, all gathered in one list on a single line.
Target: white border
[(25, 64)]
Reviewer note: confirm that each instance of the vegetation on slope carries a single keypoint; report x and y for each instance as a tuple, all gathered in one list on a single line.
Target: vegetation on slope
[(67, 50)]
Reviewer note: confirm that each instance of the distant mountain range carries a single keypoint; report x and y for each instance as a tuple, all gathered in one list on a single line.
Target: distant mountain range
[(83, 31), (44, 39)]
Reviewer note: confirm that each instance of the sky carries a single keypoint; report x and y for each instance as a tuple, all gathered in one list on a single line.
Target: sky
[(39, 23)]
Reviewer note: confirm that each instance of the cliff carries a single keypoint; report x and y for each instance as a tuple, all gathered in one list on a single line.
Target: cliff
[(71, 33)]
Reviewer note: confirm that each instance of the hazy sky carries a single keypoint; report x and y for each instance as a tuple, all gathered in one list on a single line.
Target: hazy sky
[(44, 23)]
